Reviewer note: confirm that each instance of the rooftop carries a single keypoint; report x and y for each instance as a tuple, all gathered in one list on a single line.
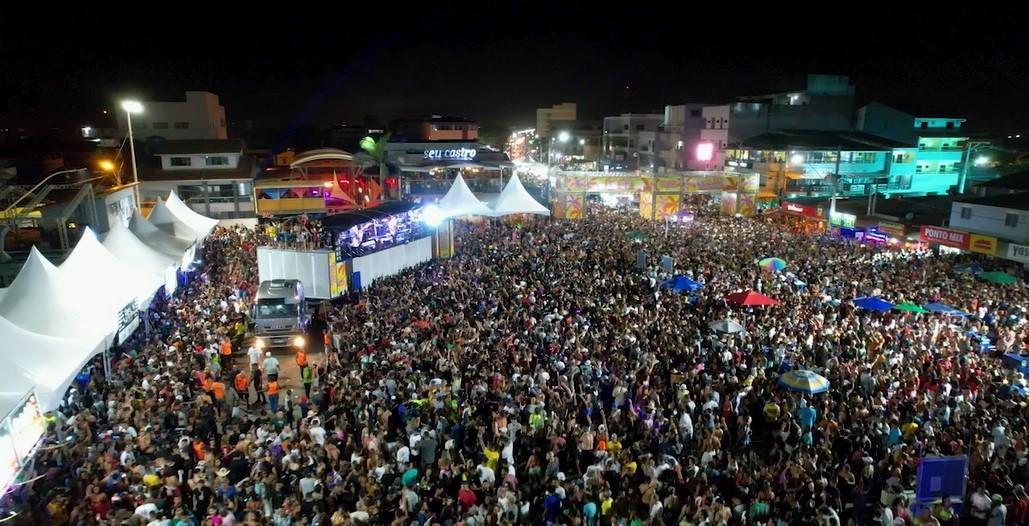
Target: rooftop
[(848, 141), (1019, 201)]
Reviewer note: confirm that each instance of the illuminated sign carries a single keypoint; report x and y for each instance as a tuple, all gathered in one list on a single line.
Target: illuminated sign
[(705, 151), (943, 236), (804, 210), (842, 219), (454, 154)]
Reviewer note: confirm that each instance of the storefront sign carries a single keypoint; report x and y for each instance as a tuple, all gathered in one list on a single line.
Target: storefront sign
[(842, 219), (943, 236), (455, 154), (803, 210), (982, 244), (1018, 252), (894, 229)]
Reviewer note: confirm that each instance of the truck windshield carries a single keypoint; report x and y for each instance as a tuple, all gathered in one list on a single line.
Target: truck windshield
[(276, 310)]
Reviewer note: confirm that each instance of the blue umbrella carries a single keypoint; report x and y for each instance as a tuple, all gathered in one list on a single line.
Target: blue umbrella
[(943, 308), (970, 268), (804, 381), (873, 303), (680, 283)]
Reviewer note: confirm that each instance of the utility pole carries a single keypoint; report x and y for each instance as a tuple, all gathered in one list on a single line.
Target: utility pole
[(970, 148)]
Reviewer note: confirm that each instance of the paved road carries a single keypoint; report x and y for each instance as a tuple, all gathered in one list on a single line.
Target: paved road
[(289, 372)]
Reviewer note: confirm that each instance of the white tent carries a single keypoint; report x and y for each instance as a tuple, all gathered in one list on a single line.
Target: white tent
[(42, 300), (164, 220), (460, 201), (200, 224), (514, 199), (29, 359), (125, 246), (96, 273), (157, 239)]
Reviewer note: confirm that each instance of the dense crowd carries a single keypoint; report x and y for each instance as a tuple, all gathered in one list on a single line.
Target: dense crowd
[(541, 377)]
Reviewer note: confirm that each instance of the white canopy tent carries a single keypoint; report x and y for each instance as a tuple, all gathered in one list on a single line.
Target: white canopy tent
[(460, 201), (96, 273), (157, 239), (514, 199), (164, 220), (48, 363), (42, 300), (200, 224), (125, 246)]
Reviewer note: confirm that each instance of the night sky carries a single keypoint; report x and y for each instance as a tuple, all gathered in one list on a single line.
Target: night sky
[(301, 63)]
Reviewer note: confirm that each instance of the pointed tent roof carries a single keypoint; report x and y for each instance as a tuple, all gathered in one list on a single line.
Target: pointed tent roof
[(125, 246), (45, 362), (165, 221), (514, 199), (96, 273), (156, 238), (460, 201), (200, 223), (39, 300)]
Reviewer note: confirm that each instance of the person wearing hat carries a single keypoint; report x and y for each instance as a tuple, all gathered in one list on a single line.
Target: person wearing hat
[(999, 512)]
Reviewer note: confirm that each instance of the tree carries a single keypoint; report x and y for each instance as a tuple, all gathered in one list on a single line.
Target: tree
[(376, 149)]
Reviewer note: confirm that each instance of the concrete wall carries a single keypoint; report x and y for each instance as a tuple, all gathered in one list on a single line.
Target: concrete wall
[(990, 220)]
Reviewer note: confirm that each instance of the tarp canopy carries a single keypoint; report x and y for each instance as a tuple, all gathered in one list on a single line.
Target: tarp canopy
[(125, 246), (49, 364), (102, 280), (157, 239), (514, 199), (41, 299), (460, 201), (200, 223), (166, 221)]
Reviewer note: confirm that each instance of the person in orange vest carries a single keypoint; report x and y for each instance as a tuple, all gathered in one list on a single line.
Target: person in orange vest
[(272, 391), (326, 341), (218, 390), (226, 352), (242, 385), (301, 358)]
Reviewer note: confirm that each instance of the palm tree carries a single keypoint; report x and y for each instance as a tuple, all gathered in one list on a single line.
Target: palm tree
[(376, 149)]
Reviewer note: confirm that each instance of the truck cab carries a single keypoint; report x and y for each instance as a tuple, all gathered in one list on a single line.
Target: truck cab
[(280, 313)]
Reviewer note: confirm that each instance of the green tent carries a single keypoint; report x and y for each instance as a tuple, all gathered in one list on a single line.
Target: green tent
[(635, 235), (907, 306)]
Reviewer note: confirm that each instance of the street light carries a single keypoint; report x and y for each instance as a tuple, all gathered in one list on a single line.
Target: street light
[(981, 160), (106, 165), (564, 136), (130, 107)]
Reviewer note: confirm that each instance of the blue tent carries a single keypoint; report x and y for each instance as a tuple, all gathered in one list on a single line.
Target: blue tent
[(943, 308), (680, 283), (970, 268), (873, 303)]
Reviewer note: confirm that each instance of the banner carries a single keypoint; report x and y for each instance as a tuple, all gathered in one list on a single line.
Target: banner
[(728, 204), (982, 244), (1018, 252), (803, 210), (646, 206), (668, 184), (573, 210), (943, 236), (576, 183), (666, 205)]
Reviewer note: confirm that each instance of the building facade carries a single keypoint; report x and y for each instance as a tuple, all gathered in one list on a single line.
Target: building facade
[(546, 117), (629, 140), (201, 116), (435, 128), (811, 102), (1003, 216), (214, 177)]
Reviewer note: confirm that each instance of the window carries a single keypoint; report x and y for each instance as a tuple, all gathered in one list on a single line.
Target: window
[(924, 125), (639, 127), (625, 127), (181, 125), (181, 161), (1010, 220), (966, 212), (219, 160), (950, 125), (160, 125)]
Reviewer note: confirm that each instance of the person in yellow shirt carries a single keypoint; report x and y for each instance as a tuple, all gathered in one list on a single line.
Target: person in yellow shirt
[(492, 455)]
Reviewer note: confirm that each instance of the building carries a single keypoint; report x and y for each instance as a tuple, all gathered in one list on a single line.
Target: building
[(201, 116), (583, 144), (809, 102), (348, 137), (546, 117), (1003, 216), (941, 146), (629, 140), (716, 133), (435, 128), (796, 163), (213, 176), (675, 145)]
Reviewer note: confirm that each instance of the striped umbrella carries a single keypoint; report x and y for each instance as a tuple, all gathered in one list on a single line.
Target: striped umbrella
[(804, 381), (772, 264)]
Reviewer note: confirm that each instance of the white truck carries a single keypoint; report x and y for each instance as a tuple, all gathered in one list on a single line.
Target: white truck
[(323, 277)]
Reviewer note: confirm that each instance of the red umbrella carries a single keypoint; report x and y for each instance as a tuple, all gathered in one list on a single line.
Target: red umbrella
[(750, 298)]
